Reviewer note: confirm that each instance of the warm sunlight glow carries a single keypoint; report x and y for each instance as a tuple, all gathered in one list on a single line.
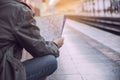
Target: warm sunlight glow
[(75, 7), (53, 2)]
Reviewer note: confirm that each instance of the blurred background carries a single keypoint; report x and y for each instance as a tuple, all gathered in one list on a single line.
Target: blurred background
[(76, 7)]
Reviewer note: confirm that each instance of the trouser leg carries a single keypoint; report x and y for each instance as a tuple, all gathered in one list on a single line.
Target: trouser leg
[(40, 67)]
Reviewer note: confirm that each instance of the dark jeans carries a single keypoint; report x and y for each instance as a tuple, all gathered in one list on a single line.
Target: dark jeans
[(40, 67)]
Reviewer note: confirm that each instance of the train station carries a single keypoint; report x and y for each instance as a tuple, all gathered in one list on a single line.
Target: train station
[(91, 31)]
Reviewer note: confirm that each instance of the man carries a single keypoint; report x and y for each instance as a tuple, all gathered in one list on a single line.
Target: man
[(18, 30)]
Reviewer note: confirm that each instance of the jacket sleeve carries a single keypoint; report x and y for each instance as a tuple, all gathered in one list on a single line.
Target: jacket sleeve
[(28, 35)]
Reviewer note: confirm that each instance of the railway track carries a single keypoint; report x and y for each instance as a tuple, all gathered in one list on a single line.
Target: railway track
[(109, 24)]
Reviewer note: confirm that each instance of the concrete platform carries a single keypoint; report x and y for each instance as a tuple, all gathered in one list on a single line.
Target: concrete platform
[(87, 54)]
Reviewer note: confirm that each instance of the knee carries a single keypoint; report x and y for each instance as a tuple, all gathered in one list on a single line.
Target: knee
[(51, 64)]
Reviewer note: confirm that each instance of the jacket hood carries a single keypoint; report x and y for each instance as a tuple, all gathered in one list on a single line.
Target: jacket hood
[(6, 1)]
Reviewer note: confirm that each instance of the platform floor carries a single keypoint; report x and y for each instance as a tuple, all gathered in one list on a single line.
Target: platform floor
[(88, 54)]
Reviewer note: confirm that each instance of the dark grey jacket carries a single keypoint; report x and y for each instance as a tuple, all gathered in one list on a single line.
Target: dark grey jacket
[(18, 30)]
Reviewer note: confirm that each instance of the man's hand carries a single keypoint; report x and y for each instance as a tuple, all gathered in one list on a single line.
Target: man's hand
[(59, 41)]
